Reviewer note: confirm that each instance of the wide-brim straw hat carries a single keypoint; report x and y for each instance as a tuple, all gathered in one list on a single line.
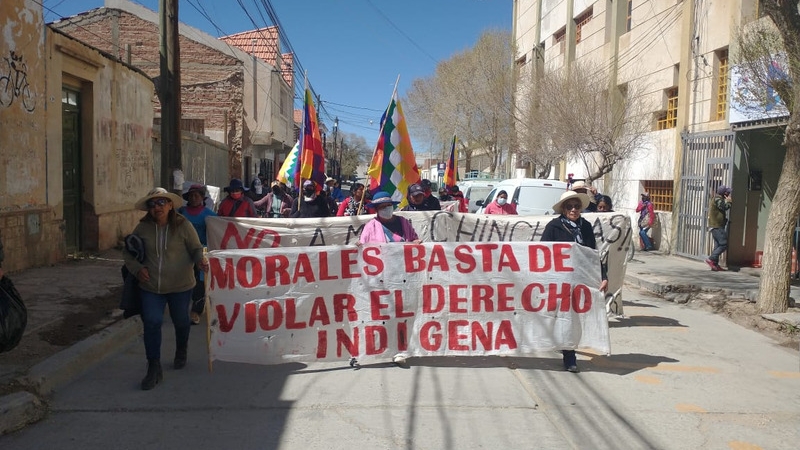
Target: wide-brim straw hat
[(568, 195), (158, 192)]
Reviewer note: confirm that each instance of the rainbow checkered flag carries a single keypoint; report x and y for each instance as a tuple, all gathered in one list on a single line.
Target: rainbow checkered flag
[(288, 172), (393, 168), (312, 156)]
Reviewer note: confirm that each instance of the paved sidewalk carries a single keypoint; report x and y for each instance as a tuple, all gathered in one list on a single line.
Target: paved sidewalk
[(52, 293), (679, 279)]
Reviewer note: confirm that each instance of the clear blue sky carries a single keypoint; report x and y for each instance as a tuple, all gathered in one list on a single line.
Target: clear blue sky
[(353, 50)]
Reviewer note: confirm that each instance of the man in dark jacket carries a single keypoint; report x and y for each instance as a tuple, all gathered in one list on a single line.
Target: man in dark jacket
[(717, 222), (310, 203), (431, 202), (417, 200)]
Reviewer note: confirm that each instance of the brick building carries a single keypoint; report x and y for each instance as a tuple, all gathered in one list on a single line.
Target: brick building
[(227, 94)]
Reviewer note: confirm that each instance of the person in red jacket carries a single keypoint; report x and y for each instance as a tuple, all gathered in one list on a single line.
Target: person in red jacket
[(236, 204), (647, 217), (457, 195)]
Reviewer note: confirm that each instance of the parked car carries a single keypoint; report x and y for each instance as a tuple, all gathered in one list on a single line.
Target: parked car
[(532, 196), (475, 191)]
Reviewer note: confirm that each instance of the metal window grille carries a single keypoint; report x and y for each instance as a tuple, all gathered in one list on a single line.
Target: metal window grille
[(669, 119), (661, 192), (560, 38), (582, 20), (722, 90)]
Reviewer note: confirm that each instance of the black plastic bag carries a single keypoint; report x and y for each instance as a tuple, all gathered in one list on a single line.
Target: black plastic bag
[(13, 315), (131, 302)]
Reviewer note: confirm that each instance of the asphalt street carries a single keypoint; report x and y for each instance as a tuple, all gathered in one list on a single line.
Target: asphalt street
[(678, 378)]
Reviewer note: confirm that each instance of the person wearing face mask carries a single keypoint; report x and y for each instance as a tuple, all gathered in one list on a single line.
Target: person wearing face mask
[(569, 226), (310, 203), (350, 205), (387, 228), (501, 205), (276, 203), (236, 204)]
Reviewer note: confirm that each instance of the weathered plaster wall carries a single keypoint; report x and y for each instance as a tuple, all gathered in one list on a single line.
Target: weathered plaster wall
[(117, 118), (29, 226)]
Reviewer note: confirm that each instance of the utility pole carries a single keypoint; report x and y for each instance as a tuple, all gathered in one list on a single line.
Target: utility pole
[(335, 154), (169, 94)]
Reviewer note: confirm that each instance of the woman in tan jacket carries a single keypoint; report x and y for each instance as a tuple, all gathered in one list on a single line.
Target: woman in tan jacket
[(166, 276)]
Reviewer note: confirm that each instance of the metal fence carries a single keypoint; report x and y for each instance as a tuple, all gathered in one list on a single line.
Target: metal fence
[(707, 164)]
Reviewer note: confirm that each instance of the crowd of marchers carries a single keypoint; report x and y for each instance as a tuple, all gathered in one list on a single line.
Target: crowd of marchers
[(165, 253)]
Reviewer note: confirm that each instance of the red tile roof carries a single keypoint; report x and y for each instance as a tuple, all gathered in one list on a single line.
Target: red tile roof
[(264, 43)]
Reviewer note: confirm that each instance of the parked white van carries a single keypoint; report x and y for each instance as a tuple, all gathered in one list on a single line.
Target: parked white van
[(532, 196), (475, 191)]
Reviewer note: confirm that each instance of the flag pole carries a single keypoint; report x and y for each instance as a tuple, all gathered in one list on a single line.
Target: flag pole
[(300, 199)]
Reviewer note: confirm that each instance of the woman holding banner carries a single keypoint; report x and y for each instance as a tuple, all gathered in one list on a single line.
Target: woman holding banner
[(386, 227), (569, 226)]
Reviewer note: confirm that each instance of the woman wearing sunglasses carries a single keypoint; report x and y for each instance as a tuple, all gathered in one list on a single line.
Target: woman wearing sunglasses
[(172, 249), (569, 226)]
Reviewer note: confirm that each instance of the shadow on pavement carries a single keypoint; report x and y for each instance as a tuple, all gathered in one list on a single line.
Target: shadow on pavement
[(644, 321), (622, 364)]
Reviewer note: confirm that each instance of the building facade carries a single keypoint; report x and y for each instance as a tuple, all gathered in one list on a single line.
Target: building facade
[(678, 53), (228, 94), (75, 143)]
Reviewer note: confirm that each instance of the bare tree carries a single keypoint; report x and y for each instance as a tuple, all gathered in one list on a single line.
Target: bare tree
[(354, 151), (578, 113), (761, 49), (469, 95)]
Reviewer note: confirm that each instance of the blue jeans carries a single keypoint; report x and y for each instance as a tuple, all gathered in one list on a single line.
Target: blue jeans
[(720, 244), (153, 318), (569, 357), (646, 242)]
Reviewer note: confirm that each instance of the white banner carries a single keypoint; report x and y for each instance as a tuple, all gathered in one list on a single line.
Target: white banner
[(271, 306), (612, 231)]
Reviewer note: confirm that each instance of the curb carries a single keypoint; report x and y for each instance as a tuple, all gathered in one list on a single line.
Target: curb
[(22, 408), (666, 289)]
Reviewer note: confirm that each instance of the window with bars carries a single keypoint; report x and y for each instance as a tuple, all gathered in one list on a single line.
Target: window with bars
[(669, 118), (628, 18), (560, 38), (660, 193), (582, 20), (722, 85)]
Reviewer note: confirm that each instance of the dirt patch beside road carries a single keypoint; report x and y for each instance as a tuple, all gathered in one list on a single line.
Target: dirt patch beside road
[(87, 318)]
